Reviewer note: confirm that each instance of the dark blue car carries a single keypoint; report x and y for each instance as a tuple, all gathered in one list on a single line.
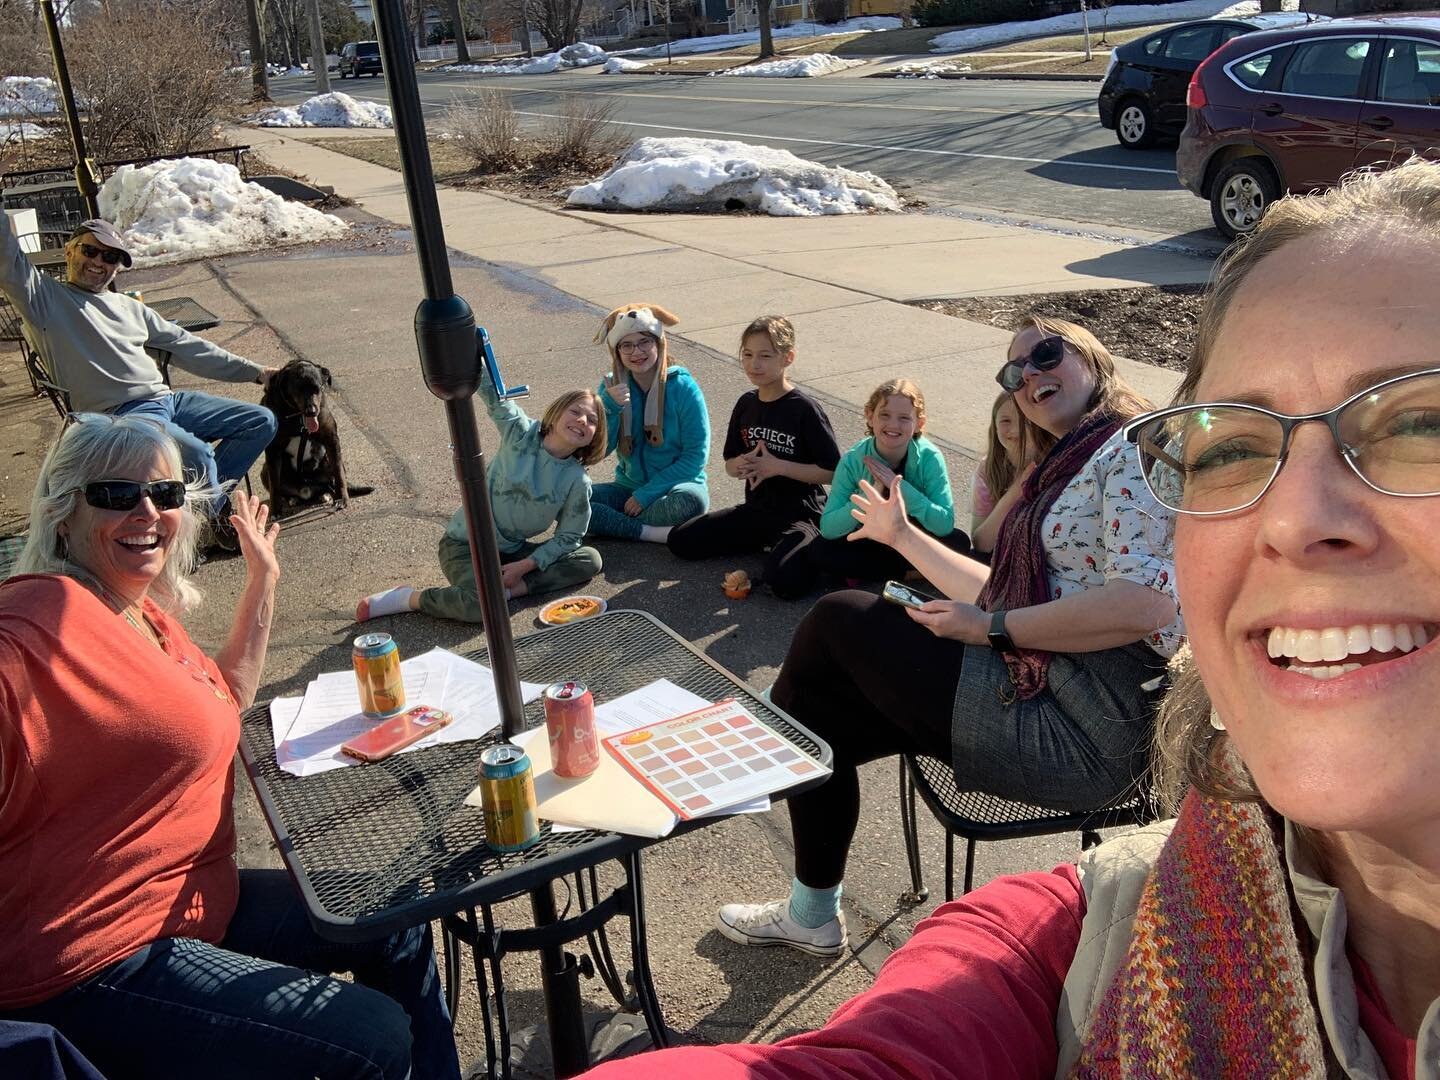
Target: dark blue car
[(1143, 96)]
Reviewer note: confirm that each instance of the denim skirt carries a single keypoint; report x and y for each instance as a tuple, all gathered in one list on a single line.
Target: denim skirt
[(1082, 743)]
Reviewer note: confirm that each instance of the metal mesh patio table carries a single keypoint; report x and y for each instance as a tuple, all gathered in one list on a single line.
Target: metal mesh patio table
[(380, 847)]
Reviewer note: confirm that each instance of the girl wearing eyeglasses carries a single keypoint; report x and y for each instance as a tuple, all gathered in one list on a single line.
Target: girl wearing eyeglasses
[(657, 424), (1029, 677), (127, 926), (1287, 922)]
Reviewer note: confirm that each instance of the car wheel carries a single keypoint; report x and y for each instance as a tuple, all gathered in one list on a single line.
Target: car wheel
[(1134, 124), (1241, 193)]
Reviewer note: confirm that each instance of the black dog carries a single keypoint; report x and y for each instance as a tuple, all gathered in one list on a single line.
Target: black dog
[(303, 463)]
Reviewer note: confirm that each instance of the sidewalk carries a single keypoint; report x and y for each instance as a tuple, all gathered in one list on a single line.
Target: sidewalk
[(842, 280)]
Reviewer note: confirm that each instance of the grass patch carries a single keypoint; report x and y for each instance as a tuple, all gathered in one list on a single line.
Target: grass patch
[(449, 162), (902, 42), (1076, 42)]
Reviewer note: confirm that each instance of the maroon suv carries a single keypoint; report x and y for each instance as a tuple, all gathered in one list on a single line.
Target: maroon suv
[(1294, 110)]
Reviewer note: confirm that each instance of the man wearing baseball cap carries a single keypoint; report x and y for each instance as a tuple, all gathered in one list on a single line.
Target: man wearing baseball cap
[(93, 343)]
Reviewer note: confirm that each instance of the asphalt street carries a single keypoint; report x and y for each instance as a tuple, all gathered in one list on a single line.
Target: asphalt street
[(1034, 149)]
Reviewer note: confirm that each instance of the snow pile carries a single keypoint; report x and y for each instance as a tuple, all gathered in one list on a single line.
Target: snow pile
[(22, 131), (176, 210), (930, 71), (719, 42), (21, 95), (799, 67), (334, 110), (712, 174), (581, 54), (1128, 15), (618, 65)]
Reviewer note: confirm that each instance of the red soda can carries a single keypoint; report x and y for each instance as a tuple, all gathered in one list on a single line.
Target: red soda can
[(570, 719)]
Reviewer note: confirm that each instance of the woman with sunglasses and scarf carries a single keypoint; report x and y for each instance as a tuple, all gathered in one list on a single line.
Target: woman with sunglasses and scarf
[(1029, 677), (127, 928)]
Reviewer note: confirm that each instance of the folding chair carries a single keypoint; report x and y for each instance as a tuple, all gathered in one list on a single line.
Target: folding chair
[(12, 328), (976, 816)]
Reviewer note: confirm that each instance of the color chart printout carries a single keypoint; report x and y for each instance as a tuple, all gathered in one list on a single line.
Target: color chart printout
[(712, 758)]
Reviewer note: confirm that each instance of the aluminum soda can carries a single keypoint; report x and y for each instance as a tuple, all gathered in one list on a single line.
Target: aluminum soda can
[(570, 719), (377, 671), (507, 798)]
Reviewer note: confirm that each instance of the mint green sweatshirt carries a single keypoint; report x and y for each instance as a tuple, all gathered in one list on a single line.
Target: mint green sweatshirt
[(94, 343), (924, 482), (530, 488)]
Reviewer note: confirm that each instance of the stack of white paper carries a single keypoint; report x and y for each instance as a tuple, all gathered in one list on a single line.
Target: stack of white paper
[(309, 731)]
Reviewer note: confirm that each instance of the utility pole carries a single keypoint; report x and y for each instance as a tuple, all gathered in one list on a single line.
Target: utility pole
[(317, 50), (259, 77)]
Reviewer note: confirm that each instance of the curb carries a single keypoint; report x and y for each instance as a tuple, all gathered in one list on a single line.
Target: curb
[(997, 76)]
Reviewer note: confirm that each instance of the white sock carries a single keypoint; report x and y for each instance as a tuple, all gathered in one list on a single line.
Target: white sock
[(655, 534), (394, 601)]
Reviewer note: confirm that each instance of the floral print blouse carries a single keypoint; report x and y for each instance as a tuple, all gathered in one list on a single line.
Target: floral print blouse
[(1105, 525)]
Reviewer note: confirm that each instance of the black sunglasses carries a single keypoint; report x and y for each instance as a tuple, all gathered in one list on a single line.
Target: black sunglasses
[(1045, 356), (126, 494), (109, 256)]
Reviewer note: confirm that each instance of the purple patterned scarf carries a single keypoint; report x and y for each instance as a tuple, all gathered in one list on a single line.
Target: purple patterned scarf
[(1215, 982), (1017, 568)]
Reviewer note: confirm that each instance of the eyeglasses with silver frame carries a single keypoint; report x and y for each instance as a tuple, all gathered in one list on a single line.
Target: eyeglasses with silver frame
[(1222, 457)]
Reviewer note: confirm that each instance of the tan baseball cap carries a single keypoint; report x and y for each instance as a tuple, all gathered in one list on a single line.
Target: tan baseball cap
[(104, 233)]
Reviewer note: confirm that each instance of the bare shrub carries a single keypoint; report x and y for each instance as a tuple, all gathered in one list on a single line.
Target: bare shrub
[(150, 78), (484, 125), (829, 12), (583, 136)]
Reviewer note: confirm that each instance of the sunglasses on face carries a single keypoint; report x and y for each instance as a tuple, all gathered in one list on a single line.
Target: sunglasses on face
[(126, 494), (109, 256), (1045, 356)]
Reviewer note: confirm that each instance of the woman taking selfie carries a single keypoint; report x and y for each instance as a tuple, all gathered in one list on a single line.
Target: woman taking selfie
[(126, 925), (1288, 922)]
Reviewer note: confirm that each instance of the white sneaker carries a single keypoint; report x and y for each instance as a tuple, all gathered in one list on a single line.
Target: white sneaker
[(771, 924)]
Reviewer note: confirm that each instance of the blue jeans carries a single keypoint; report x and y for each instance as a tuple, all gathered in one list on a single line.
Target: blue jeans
[(240, 432), (254, 1005), (608, 517)]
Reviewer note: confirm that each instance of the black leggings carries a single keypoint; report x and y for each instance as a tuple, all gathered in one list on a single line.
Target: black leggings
[(807, 559), (871, 682)]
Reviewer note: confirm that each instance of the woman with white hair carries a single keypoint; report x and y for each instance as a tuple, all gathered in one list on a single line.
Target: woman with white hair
[(127, 926)]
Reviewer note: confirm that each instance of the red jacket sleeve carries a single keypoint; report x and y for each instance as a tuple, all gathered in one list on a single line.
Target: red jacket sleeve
[(972, 994)]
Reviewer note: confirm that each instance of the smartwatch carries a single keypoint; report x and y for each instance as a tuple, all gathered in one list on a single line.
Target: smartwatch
[(998, 638)]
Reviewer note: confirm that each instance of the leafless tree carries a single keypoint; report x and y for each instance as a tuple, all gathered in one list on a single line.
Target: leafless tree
[(557, 20), (134, 104), (767, 42), (457, 27)]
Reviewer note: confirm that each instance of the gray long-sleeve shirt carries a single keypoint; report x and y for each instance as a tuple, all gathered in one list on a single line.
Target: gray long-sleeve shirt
[(94, 343)]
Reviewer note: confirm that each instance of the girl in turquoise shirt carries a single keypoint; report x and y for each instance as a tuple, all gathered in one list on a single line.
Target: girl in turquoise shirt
[(656, 420), (895, 451)]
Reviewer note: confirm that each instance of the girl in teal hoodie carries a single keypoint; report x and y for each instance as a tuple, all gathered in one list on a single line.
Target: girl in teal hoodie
[(536, 479), (656, 420), (895, 451)]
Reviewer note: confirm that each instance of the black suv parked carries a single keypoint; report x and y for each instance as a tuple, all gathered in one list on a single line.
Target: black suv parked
[(359, 58), (1143, 97)]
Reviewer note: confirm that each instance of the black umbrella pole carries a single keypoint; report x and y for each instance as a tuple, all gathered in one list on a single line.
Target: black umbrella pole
[(85, 178), (445, 336)]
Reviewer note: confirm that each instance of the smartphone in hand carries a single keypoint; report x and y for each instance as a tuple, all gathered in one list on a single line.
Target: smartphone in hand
[(905, 596), (390, 736)]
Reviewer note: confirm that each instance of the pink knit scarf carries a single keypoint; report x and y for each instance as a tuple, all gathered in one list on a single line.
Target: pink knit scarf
[(1214, 983)]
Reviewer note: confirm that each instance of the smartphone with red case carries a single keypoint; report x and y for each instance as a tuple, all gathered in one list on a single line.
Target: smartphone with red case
[(396, 733)]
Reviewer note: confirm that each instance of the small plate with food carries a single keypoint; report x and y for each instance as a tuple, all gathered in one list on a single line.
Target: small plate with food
[(571, 609)]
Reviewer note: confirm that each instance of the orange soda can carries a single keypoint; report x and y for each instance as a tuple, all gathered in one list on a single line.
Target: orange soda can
[(377, 671)]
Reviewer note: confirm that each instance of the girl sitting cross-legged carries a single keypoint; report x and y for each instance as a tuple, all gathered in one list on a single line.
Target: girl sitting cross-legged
[(537, 479), (655, 419)]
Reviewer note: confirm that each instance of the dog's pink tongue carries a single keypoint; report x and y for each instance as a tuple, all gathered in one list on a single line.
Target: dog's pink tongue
[(312, 424)]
